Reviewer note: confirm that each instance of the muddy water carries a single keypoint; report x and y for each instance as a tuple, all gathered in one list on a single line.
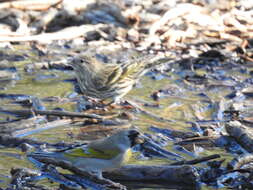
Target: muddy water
[(182, 103)]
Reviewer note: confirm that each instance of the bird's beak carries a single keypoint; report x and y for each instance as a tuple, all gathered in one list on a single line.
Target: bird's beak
[(140, 140), (135, 137)]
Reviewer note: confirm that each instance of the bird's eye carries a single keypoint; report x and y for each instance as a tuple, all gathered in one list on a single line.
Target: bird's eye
[(133, 133)]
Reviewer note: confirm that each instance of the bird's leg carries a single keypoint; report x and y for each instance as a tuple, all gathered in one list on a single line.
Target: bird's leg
[(119, 104), (97, 173), (116, 103), (94, 101), (113, 104), (109, 104)]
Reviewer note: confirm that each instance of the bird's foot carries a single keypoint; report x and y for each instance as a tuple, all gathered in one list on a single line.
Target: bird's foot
[(119, 105), (98, 174)]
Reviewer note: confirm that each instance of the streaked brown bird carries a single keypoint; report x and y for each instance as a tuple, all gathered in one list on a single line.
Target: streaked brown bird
[(110, 81)]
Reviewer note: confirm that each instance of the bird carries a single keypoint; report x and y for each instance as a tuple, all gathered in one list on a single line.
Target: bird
[(110, 81), (99, 155)]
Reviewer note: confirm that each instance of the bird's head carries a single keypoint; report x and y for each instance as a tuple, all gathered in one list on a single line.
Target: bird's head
[(86, 62), (134, 137), (126, 139)]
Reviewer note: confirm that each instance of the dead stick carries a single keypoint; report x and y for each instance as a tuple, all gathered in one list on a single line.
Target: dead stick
[(10, 141), (65, 165), (40, 127), (156, 174), (197, 139), (52, 112), (197, 160), (145, 112)]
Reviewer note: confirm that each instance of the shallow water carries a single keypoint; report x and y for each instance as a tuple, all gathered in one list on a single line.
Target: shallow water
[(182, 105)]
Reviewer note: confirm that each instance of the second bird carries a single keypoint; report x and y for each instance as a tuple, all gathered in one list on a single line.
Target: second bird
[(109, 81)]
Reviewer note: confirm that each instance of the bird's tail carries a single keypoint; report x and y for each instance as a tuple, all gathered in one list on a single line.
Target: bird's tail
[(157, 61), (46, 157)]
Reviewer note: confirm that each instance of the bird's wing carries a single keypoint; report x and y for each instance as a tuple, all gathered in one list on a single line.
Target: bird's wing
[(114, 75), (136, 67), (139, 66), (132, 70), (107, 76), (89, 152)]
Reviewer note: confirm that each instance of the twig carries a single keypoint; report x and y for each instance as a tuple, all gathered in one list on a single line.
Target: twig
[(52, 112), (41, 127), (202, 139), (66, 34), (143, 111), (30, 4), (65, 165), (157, 174), (9, 141), (196, 161)]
